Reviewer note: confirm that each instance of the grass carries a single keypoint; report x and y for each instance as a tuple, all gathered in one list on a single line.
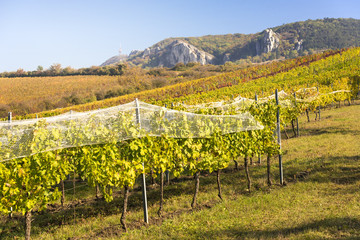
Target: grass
[(321, 198)]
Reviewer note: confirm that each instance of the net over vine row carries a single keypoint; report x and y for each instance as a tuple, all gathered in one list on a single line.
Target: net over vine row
[(306, 95), (132, 120), (317, 95), (238, 103)]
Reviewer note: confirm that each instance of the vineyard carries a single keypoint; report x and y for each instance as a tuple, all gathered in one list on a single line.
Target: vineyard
[(226, 119)]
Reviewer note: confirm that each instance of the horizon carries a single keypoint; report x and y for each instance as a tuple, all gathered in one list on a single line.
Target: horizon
[(86, 33)]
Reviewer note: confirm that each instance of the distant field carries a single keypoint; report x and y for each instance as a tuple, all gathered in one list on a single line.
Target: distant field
[(23, 95), (34, 88), (28, 93)]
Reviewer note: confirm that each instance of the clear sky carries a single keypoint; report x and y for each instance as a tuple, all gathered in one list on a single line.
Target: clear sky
[(82, 33)]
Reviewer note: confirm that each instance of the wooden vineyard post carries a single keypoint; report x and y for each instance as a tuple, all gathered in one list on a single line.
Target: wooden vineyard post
[(167, 173), (74, 183), (167, 176), (319, 104), (297, 119), (256, 99), (279, 137), (146, 218), (332, 89), (9, 121), (74, 192), (307, 110)]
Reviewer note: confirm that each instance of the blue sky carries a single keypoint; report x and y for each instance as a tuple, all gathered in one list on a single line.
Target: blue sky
[(81, 33)]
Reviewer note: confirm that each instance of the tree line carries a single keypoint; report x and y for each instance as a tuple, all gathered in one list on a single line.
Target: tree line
[(57, 70)]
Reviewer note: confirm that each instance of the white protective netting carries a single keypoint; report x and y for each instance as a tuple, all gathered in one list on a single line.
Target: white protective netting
[(239, 103), (311, 94), (132, 120)]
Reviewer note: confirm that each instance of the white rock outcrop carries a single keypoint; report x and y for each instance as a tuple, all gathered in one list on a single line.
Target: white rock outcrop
[(180, 51), (299, 45), (151, 51), (268, 43), (133, 53)]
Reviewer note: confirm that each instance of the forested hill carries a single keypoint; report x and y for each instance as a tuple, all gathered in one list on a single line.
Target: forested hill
[(321, 34), (285, 41)]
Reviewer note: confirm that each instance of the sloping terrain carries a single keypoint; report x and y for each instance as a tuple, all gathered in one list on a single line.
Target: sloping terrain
[(285, 41), (324, 68)]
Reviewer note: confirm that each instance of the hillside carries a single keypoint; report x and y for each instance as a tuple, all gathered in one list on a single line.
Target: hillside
[(286, 41), (184, 83), (324, 68), (26, 95), (302, 36)]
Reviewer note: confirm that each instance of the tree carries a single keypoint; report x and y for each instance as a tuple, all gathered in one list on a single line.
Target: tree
[(55, 69), (20, 72), (272, 56), (67, 71), (39, 68), (293, 54)]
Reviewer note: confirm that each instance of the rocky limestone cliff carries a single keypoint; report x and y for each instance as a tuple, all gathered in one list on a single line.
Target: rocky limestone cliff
[(150, 51), (182, 52), (168, 55), (134, 52), (269, 42)]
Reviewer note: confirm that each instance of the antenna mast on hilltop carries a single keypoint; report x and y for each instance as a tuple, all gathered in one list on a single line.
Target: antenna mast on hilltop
[(120, 50)]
